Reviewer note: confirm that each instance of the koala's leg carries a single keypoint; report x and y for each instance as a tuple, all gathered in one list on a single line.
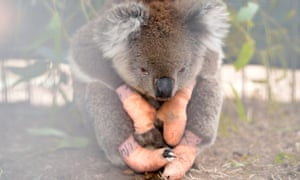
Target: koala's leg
[(204, 110), (79, 100), (111, 123)]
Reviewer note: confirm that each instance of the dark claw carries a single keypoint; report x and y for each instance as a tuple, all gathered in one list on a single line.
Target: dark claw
[(169, 154)]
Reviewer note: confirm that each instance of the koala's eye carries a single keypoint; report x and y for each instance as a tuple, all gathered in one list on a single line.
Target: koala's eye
[(182, 70), (144, 71)]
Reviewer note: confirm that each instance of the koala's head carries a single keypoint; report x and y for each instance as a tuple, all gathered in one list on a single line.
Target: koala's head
[(157, 47)]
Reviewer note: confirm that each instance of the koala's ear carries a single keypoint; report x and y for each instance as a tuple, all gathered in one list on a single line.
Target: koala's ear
[(208, 19), (118, 26)]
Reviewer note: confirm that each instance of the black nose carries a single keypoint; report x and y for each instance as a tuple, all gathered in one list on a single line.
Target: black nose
[(164, 87)]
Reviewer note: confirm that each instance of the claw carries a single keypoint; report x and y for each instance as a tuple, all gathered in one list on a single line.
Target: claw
[(142, 159), (162, 177), (169, 154)]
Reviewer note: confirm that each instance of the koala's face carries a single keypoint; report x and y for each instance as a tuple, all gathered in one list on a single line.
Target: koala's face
[(158, 48), (161, 59)]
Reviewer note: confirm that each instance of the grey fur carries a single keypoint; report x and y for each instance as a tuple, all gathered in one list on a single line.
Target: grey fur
[(185, 44), (117, 25)]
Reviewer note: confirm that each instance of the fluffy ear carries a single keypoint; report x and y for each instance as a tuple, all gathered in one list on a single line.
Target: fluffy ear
[(119, 24), (209, 19)]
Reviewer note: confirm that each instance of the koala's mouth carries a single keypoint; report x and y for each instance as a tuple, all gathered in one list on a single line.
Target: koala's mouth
[(162, 99), (152, 96)]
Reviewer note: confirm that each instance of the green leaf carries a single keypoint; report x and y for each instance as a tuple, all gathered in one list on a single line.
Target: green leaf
[(55, 22), (73, 142), (292, 14), (248, 12), (280, 157), (236, 164), (239, 103), (46, 132), (246, 54), (56, 25)]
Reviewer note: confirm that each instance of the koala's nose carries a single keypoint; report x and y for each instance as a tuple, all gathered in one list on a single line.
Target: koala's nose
[(164, 87)]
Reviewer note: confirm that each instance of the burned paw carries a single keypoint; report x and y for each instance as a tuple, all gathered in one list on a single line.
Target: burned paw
[(152, 138), (169, 154)]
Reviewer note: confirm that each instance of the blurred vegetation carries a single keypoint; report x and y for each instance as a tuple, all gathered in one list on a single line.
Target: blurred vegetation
[(262, 32), (49, 41), (267, 29)]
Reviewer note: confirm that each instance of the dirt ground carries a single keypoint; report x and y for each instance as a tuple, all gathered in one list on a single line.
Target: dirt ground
[(267, 146)]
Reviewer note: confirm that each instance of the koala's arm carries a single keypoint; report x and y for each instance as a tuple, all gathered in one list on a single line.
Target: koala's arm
[(202, 117), (97, 81), (205, 105), (94, 81)]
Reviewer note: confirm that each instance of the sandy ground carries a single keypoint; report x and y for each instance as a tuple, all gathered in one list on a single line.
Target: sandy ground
[(265, 147)]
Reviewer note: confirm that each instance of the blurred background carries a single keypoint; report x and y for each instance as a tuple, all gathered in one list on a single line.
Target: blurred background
[(262, 50), (260, 75)]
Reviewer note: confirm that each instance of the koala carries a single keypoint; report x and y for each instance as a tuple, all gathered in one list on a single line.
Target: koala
[(156, 47)]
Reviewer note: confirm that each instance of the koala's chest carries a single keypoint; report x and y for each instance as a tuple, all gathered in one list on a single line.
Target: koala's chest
[(156, 104)]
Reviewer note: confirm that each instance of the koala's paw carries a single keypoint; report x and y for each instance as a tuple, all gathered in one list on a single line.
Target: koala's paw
[(153, 137)]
